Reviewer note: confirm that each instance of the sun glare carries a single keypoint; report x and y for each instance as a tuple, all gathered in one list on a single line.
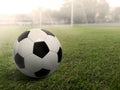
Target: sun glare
[(114, 3), (26, 6)]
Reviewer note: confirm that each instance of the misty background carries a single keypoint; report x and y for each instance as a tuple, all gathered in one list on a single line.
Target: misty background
[(71, 12)]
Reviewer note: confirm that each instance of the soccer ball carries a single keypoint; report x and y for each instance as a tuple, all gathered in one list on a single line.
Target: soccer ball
[(37, 53)]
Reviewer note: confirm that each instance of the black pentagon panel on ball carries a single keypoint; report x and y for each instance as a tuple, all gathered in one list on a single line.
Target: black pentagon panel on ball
[(40, 49), (23, 36), (42, 72), (19, 60), (59, 55), (48, 32)]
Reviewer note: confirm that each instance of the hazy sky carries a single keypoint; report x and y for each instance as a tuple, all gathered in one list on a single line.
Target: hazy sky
[(114, 3), (26, 6)]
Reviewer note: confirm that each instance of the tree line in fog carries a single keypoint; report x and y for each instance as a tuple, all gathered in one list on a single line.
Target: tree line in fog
[(84, 11)]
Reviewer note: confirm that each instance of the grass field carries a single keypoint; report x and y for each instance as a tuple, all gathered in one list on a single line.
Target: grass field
[(91, 60)]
